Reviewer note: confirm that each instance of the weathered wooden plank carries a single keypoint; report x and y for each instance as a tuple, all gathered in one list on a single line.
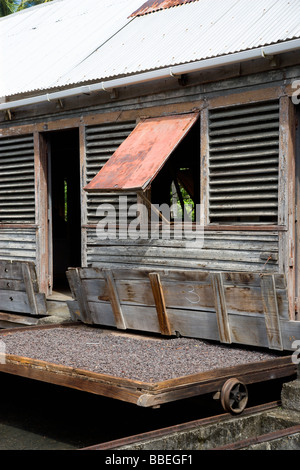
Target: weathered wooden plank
[(30, 290), (272, 320), (10, 270), (102, 314), (160, 304), (133, 262), (114, 300), (167, 252), (74, 310), (79, 294), (203, 386), (17, 301), (221, 308), (251, 279), (176, 294), (96, 290), (17, 320), (12, 284)]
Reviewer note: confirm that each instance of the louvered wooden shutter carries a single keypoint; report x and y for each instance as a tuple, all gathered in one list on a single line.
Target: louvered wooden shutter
[(17, 182), (101, 142), (243, 164)]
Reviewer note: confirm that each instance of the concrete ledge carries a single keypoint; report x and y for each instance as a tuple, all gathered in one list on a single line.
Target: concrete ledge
[(290, 395)]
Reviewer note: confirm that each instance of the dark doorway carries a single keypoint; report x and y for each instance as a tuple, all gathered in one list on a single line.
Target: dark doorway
[(64, 205)]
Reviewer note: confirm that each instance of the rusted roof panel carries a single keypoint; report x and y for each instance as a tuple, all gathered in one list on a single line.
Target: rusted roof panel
[(154, 5), (141, 156)]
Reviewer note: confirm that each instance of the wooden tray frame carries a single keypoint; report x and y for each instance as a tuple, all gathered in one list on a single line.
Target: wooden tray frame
[(141, 393)]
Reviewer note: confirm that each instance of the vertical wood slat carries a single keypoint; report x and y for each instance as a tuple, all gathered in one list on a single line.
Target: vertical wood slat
[(114, 299), (270, 305), (221, 308), (79, 294), (160, 304), (29, 289)]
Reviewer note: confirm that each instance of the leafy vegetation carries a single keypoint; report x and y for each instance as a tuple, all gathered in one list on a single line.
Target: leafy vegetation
[(12, 6)]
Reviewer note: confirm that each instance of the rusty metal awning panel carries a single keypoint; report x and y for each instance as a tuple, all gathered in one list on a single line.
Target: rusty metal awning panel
[(141, 156), (153, 5)]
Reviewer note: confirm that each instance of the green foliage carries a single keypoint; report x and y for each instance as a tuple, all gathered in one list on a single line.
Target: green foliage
[(7, 7), (27, 3), (11, 6)]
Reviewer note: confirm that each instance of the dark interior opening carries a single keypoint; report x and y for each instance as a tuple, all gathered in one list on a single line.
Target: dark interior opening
[(178, 182), (64, 202)]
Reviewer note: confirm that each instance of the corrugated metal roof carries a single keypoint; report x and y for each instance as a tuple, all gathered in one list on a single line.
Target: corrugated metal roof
[(68, 42), (40, 44), (154, 5)]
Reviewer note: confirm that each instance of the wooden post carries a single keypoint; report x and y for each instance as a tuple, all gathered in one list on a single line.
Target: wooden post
[(83, 195), (221, 308), (270, 305), (41, 204), (114, 299), (287, 216), (204, 166), (159, 300)]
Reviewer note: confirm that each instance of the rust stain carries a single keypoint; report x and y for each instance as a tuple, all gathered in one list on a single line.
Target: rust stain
[(141, 156), (154, 5)]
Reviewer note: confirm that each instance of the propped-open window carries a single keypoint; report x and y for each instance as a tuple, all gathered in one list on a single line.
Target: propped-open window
[(160, 161)]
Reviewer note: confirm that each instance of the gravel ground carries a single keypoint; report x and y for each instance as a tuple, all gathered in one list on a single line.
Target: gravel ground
[(122, 355)]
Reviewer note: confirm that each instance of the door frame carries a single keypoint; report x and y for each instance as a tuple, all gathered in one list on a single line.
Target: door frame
[(44, 243)]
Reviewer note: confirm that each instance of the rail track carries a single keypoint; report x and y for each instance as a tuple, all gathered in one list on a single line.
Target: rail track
[(136, 440)]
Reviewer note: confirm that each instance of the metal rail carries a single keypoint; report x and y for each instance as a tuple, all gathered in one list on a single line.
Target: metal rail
[(261, 439), (138, 438)]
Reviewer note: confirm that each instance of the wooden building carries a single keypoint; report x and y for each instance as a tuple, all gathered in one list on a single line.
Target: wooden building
[(216, 90)]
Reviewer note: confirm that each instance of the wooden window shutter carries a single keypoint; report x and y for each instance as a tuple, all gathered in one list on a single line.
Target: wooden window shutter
[(101, 142), (243, 163), (17, 180)]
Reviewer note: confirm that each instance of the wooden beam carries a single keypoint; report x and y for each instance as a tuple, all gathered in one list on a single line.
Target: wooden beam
[(114, 299), (221, 308), (246, 97), (160, 304), (270, 305)]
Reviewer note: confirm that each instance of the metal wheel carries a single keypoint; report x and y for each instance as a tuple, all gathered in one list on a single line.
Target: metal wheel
[(234, 396)]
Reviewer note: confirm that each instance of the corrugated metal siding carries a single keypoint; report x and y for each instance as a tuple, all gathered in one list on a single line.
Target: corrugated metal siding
[(70, 41), (243, 163), (101, 142), (17, 180)]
